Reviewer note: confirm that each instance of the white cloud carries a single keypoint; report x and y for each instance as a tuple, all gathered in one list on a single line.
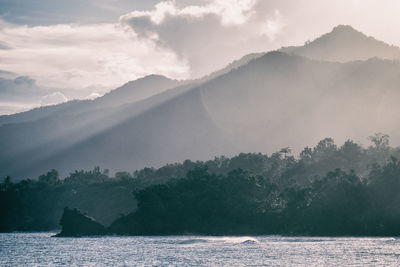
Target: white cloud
[(93, 96), (179, 41), (53, 99), (230, 12), (211, 35), (273, 26), (173, 39), (10, 107), (73, 56)]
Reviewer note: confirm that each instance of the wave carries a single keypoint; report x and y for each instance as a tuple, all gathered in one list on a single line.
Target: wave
[(220, 240)]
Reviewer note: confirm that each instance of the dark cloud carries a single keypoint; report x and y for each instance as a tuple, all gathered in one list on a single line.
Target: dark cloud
[(20, 85), (4, 46), (24, 80), (20, 93)]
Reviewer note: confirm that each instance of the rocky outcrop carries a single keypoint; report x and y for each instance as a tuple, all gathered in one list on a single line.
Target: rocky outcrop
[(74, 224)]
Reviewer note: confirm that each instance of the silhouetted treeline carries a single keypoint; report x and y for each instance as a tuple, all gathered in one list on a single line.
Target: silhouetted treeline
[(326, 190), (241, 204)]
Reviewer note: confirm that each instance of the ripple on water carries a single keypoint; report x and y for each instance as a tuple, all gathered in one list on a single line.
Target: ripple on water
[(40, 249)]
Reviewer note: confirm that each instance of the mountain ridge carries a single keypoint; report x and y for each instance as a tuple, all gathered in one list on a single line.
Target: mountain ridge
[(256, 105), (343, 44)]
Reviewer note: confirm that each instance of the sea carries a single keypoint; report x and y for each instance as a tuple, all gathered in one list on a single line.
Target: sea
[(41, 249)]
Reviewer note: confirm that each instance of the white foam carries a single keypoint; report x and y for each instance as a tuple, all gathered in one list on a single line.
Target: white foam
[(221, 240)]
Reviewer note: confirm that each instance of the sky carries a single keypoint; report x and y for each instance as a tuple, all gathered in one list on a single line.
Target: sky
[(52, 51)]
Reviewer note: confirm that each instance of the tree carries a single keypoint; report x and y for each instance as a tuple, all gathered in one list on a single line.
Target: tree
[(380, 140), (306, 154), (51, 178), (285, 151), (7, 184), (325, 145)]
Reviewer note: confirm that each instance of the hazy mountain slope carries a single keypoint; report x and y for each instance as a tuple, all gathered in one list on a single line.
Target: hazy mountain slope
[(40, 126), (31, 136), (279, 100), (344, 44), (274, 101), (233, 65), (136, 90), (130, 92), (271, 101), (172, 131), (27, 142)]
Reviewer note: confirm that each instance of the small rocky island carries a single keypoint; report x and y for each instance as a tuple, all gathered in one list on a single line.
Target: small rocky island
[(76, 224)]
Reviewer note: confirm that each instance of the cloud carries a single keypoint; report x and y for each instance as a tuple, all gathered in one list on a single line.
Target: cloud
[(208, 36), (9, 107), (53, 99), (93, 96), (24, 80), (229, 12), (173, 39), (21, 86), (178, 39), (4, 46), (17, 93), (78, 56)]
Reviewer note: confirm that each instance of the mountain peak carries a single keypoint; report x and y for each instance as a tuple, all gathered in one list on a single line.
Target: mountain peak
[(138, 90), (344, 28), (344, 43), (154, 77), (344, 34)]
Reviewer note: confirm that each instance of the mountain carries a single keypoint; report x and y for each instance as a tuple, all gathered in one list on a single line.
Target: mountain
[(177, 129), (342, 44), (136, 90), (261, 104), (275, 100), (30, 136), (233, 65), (128, 93)]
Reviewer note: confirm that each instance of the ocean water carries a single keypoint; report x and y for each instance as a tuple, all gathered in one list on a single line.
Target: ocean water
[(40, 249)]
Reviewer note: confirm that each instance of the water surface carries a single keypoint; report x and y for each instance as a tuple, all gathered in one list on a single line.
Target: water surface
[(40, 249)]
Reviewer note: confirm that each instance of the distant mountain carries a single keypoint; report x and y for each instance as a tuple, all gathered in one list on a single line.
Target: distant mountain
[(272, 101), (136, 90), (128, 93), (263, 103), (36, 134), (342, 44), (233, 65)]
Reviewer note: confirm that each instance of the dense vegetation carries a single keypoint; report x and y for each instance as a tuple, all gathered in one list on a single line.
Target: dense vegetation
[(338, 204), (327, 190)]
